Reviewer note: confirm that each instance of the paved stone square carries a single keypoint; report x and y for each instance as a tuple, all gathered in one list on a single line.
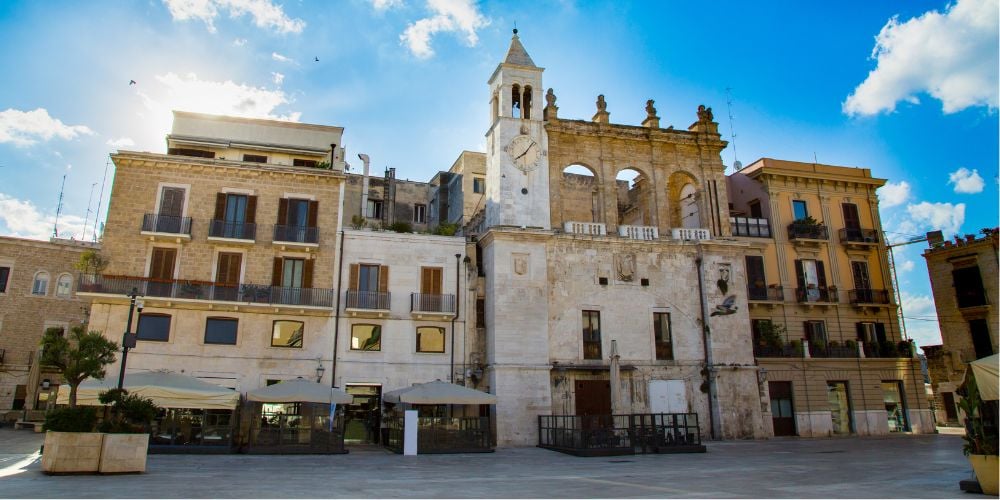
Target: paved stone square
[(927, 466)]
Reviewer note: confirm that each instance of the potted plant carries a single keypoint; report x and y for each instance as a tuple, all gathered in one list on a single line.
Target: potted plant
[(126, 431), (980, 446)]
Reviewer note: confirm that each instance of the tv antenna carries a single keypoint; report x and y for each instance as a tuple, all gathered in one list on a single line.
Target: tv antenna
[(55, 227), (86, 218), (100, 199), (737, 166)]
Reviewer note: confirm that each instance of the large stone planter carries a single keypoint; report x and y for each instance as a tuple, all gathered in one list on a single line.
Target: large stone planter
[(987, 468), (72, 452), (123, 453)]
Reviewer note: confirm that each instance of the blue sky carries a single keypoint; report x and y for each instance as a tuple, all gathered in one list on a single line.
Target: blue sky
[(908, 89)]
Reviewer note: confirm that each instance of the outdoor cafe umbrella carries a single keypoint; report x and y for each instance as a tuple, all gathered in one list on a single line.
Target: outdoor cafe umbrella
[(987, 372), (299, 390), (439, 393), (616, 380)]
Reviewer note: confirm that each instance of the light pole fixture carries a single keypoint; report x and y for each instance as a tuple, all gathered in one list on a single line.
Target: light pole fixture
[(320, 370), (128, 339)]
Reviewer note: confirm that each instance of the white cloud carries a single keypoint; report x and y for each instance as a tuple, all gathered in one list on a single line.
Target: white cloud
[(906, 266), (952, 56), (965, 181), (280, 58), (448, 16), (277, 78), (265, 14), (121, 142), (239, 42), (921, 319), (926, 216), (24, 128), (383, 5), (891, 195), (23, 219)]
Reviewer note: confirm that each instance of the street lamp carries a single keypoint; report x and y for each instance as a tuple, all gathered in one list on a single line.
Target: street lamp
[(320, 370), (128, 340)]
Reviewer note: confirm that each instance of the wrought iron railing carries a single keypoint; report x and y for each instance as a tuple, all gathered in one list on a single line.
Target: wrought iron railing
[(169, 224), (807, 231), (868, 296), (296, 234), (620, 434), (888, 349), (777, 351), (858, 235), (426, 302), (359, 299), (235, 230), (750, 226), (773, 293), (207, 290), (816, 294), (818, 350)]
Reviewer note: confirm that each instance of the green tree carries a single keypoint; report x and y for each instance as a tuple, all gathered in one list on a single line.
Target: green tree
[(77, 355), (91, 262)]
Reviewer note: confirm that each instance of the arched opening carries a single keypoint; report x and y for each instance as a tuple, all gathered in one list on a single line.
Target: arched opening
[(495, 107), (527, 102), (634, 196), (40, 285), (64, 285), (515, 101), (690, 213), (580, 195)]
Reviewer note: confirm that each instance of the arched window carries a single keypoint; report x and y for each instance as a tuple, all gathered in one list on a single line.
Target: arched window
[(495, 107), (515, 101), (526, 99), (430, 339), (41, 284), (690, 213), (64, 285)]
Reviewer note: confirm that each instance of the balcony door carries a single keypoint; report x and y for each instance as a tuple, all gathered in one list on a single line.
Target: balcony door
[(227, 275), (294, 277), (234, 216), (430, 288), (161, 271), (756, 281), (168, 218), (811, 277), (852, 221)]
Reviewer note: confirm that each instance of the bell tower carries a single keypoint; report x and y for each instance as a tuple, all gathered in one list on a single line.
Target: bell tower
[(517, 166)]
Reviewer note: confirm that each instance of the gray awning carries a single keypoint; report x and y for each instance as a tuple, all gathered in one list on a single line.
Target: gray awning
[(439, 393), (299, 390), (166, 389)]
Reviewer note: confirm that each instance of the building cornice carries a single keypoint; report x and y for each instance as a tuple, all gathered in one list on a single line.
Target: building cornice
[(137, 159)]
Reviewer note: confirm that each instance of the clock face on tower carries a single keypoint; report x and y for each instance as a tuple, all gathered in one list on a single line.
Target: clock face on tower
[(524, 153)]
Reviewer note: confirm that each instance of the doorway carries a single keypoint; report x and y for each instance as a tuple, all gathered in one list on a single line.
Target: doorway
[(593, 402), (362, 417), (840, 407), (782, 413)]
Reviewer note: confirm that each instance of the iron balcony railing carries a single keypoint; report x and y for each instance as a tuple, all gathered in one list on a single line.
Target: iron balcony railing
[(818, 350), (888, 349), (750, 226), (868, 296), (772, 293), (798, 231), (816, 294), (590, 435), (155, 223), (359, 299), (426, 302), (777, 351), (235, 230), (207, 290), (858, 235), (296, 234)]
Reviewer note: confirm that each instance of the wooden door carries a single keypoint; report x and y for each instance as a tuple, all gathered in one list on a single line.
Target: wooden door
[(161, 272), (782, 409), (227, 275), (593, 402), (430, 288)]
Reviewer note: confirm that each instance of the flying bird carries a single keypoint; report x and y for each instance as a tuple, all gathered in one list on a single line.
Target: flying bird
[(317, 59), (131, 82), (726, 308)]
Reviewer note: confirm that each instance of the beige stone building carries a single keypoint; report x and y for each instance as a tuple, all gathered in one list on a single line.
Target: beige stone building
[(823, 315), (963, 279), (38, 291)]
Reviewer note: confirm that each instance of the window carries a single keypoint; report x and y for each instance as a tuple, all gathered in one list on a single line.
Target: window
[(895, 406), (287, 333), (591, 335), (852, 221), (221, 331), (41, 284), (478, 185), (816, 333), (861, 279), (480, 313), (291, 276), (980, 332), (755, 210), (170, 216), (662, 336), (368, 278), (367, 338), (299, 162), (419, 213), (811, 277), (430, 339), (198, 153), (968, 285), (756, 279), (255, 158), (4, 278), (153, 327), (799, 210), (64, 285), (374, 209), (759, 328)]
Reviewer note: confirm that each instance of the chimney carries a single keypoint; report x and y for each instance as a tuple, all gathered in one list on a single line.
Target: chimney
[(935, 239)]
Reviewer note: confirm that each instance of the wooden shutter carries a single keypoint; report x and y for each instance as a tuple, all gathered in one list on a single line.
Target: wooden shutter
[(352, 281), (307, 273), (228, 271), (851, 218), (220, 206), (860, 271), (162, 263), (383, 278), (820, 274), (276, 272), (430, 280), (800, 275), (172, 201), (282, 211), (313, 213), (251, 216)]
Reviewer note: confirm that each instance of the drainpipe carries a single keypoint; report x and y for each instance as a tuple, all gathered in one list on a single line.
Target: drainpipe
[(340, 280), (714, 418), (364, 185), (451, 374)]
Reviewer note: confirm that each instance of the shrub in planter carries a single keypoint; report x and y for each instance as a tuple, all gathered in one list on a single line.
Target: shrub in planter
[(79, 419), (130, 413)]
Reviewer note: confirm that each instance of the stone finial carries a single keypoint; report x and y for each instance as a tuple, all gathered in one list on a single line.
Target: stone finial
[(651, 121), (706, 121), (705, 114), (602, 115), (551, 111)]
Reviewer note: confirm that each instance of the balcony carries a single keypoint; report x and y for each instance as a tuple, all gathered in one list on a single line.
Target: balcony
[(808, 232), (690, 233), (232, 230), (816, 294), (888, 349), (857, 237), (296, 235), (589, 228), (832, 350), (368, 304), (207, 291), (166, 227), (431, 305), (773, 293), (868, 296), (647, 233), (750, 227)]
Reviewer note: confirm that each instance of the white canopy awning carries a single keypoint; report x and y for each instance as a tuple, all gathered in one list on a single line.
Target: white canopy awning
[(166, 389), (299, 390), (987, 373), (439, 393)]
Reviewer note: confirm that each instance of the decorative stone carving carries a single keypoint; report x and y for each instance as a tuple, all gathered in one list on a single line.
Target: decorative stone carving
[(650, 110), (602, 115), (551, 111), (520, 264), (625, 266), (651, 121), (705, 114)]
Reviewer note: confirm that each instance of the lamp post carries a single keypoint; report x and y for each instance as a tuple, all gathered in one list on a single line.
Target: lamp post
[(128, 339)]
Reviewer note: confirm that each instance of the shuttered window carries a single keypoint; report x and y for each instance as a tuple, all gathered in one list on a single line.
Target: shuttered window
[(161, 266), (228, 270), (430, 280)]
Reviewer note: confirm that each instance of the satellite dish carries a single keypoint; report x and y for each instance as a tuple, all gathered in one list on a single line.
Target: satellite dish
[(737, 165)]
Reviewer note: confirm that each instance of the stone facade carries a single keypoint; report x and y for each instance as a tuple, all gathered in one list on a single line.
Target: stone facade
[(27, 311)]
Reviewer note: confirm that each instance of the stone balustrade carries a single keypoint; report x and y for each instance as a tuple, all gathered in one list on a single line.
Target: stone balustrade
[(690, 233), (591, 228), (639, 232)]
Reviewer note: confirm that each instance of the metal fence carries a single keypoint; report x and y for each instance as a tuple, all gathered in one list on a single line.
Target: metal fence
[(750, 226), (425, 302), (602, 435), (235, 230), (443, 434), (206, 290), (868, 296), (296, 234), (359, 299), (858, 235), (773, 293), (808, 231)]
